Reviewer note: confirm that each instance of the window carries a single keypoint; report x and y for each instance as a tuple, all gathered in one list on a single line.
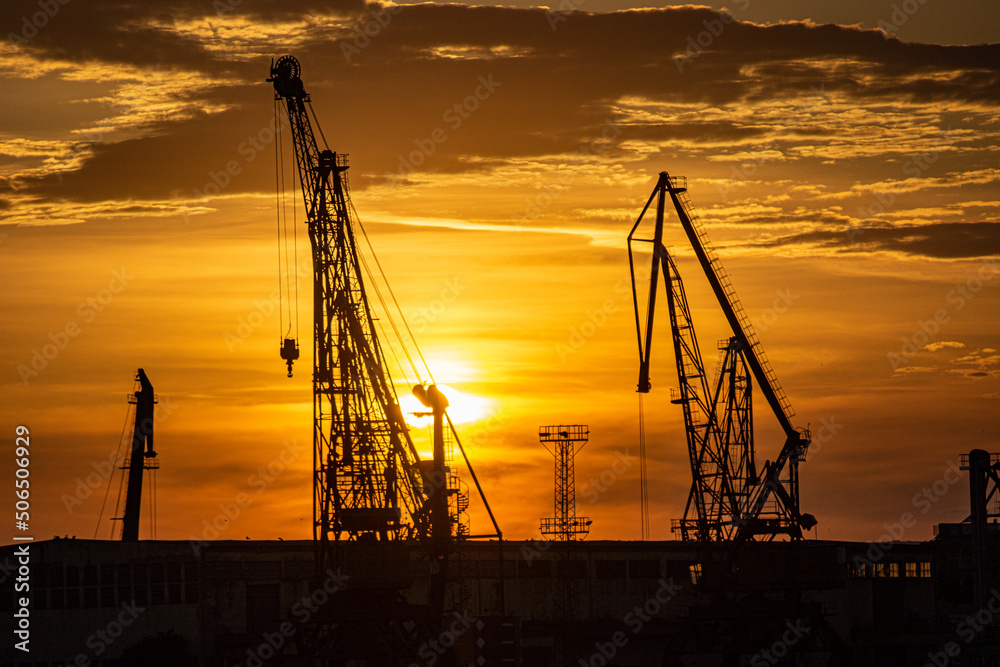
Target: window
[(191, 591), (645, 569), (893, 569), (925, 569), (911, 569), (573, 569), (263, 608), (299, 570), (534, 568), (56, 599), (262, 570), (491, 569), (223, 570), (695, 573), (141, 594), (140, 577), (609, 569)]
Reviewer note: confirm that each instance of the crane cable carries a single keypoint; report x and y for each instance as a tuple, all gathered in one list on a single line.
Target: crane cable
[(316, 120), (395, 302), (151, 493), (356, 220), (285, 274), (111, 477), (385, 308), (643, 485), (395, 357), (279, 200), (295, 254), (128, 459), (121, 485)]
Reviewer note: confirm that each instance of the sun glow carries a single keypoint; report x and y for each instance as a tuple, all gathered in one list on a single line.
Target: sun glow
[(463, 408)]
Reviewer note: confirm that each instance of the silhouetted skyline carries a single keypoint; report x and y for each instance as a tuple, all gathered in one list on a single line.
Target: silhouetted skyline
[(499, 156)]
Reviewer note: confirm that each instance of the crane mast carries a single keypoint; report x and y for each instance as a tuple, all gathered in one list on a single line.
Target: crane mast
[(367, 483), (728, 499), (141, 454)]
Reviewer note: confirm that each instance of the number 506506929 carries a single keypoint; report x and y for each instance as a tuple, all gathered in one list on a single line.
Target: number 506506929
[(22, 458)]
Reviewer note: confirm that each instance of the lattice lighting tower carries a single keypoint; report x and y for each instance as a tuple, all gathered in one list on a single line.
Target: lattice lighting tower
[(563, 442)]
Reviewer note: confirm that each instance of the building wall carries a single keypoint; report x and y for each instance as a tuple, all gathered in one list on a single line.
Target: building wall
[(643, 603)]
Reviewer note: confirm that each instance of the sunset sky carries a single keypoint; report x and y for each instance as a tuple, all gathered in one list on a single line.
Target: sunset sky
[(842, 156)]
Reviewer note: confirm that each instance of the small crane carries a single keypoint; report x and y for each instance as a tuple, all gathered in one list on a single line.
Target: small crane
[(142, 455)]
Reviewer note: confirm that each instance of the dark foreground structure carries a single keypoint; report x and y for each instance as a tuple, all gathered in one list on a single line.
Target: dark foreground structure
[(532, 603)]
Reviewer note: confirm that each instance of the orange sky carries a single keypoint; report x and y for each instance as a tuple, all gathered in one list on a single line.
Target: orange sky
[(848, 179)]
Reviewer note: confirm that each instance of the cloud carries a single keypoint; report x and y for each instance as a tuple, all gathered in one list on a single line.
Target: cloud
[(944, 240), (935, 347), (146, 34), (982, 359), (175, 100), (914, 370)]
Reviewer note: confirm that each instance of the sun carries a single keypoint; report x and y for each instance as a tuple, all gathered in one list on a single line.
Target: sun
[(463, 407)]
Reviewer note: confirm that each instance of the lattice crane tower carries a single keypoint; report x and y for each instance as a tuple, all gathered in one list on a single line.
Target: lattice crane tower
[(563, 442)]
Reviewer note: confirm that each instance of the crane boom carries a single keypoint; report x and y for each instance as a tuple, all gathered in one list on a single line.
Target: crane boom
[(733, 311)]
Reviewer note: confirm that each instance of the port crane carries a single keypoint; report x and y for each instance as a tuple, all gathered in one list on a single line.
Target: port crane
[(369, 483), (729, 498), (141, 454), (139, 457)]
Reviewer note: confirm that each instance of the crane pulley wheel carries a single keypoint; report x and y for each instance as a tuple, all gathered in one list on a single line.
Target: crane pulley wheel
[(287, 67)]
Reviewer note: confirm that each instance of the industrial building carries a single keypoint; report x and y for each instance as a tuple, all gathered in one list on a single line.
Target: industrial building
[(531, 603)]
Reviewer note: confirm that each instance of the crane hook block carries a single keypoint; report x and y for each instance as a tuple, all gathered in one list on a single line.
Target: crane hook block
[(289, 352)]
